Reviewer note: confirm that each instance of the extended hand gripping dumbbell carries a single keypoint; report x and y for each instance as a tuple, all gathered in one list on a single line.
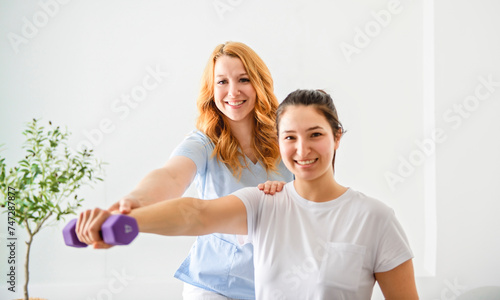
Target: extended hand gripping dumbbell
[(116, 230)]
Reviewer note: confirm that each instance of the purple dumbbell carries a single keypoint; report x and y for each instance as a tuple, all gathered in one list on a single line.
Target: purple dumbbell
[(116, 230)]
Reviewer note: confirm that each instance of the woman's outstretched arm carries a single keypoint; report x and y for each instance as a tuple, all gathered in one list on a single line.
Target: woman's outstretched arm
[(191, 216), (182, 216)]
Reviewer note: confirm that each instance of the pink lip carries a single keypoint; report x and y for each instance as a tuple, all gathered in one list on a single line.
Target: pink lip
[(235, 106), (305, 166)]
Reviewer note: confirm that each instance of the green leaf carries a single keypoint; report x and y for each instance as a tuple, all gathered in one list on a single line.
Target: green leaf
[(24, 163), (35, 168), (62, 179)]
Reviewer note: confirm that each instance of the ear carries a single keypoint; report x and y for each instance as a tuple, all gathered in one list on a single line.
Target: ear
[(337, 137)]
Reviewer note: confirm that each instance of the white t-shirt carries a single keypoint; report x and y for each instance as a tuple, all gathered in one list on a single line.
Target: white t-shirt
[(328, 250)]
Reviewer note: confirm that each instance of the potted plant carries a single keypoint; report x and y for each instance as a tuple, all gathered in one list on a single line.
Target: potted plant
[(41, 189)]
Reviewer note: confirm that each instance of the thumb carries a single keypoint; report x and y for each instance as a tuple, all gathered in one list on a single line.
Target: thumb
[(125, 207), (121, 206)]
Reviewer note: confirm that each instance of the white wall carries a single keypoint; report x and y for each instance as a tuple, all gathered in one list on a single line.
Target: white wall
[(398, 70)]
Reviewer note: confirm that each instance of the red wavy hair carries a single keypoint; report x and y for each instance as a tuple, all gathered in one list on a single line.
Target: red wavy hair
[(212, 122)]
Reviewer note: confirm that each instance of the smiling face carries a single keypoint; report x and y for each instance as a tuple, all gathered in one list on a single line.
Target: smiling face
[(234, 95), (307, 143)]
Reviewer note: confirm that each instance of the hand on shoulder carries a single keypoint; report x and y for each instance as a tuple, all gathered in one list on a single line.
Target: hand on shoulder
[(271, 187)]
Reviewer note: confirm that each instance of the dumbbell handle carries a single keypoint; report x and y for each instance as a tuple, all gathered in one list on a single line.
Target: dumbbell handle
[(116, 230)]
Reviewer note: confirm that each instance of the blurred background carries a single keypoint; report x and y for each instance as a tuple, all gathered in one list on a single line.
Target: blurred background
[(416, 83)]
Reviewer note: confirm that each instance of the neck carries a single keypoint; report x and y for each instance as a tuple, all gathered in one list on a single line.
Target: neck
[(320, 189), (243, 132)]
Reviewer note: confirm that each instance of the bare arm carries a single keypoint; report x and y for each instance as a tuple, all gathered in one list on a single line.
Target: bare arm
[(167, 182), (398, 283), (181, 216), (191, 216)]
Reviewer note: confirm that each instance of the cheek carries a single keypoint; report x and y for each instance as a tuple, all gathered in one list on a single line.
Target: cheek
[(250, 92), (216, 95), (285, 150), (328, 149), (218, 100)]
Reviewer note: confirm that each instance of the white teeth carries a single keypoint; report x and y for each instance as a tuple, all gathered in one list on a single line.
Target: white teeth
[(235, 103), (305, 162)]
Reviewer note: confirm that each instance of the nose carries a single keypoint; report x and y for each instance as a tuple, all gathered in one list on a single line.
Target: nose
[(233, 90), (303, 148)]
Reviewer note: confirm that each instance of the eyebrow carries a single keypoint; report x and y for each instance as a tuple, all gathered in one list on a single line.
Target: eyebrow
[(224, 75), (309, 129)]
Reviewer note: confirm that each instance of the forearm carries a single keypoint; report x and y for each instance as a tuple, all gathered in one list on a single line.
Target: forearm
[(191, 216), (152, 188), (181, 216), (156, 186)]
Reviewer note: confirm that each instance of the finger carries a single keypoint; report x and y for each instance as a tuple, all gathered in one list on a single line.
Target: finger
[(114, 206), (83, 228), (101, 245), (273, 189), (82, 231), (93, 228), (129, 203), (125, 206), (280, 186), (80, 225), (267, 187), (260, 186)]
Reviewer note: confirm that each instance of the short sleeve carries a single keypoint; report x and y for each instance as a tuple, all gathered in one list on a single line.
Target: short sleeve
[(197, 147), (393, 247), (251, 197)]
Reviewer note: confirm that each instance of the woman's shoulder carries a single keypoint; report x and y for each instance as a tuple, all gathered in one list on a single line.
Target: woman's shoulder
[(249, 194), (195, 145), (198, 137), (369, 204), (197, 134)]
